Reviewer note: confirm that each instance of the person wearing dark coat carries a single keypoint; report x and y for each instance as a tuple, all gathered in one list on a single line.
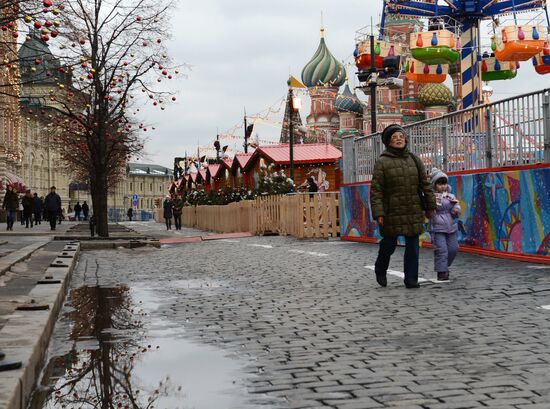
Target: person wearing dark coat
[(130, 213), (28, 208), (312, 186), (167, 206), (52, 205), (11, 205), (37, 209), (399, 178), (77, 210), (177, 209), (85, 210)]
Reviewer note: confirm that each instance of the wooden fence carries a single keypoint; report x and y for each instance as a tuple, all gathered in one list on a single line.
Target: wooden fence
[(299, 215)]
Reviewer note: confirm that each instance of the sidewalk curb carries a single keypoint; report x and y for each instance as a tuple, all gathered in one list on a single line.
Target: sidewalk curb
[(19, 255), (26, 335)]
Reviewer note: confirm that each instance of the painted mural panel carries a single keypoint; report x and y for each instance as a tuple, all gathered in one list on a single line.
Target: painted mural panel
[(505, 211)]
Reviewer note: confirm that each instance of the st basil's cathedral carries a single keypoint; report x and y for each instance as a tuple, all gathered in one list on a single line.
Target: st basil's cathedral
[(335, 114)]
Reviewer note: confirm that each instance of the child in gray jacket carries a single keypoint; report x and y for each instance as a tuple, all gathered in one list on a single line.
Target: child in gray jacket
[(443, 225)]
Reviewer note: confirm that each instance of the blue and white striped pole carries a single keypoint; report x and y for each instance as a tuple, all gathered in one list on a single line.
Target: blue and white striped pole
[(469, 66)]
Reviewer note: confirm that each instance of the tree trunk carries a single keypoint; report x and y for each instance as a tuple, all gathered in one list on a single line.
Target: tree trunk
[(99, 198)]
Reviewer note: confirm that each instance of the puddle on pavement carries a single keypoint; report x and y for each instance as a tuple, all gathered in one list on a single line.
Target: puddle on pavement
[(108, 352)]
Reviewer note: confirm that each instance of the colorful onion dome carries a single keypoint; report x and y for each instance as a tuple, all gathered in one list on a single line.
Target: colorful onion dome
[(435, 95), (323, 68), (348, 102)]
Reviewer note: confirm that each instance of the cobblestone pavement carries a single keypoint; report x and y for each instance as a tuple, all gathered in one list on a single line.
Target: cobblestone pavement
[(319, 332)]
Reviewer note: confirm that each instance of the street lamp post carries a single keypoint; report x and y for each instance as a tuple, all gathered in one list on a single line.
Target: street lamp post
[(295, 105), (290, 135), (372, 84)]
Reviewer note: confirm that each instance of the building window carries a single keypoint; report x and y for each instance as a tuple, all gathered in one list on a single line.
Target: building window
[(141, 187), (150, 187), (160, 188), (130, 186)]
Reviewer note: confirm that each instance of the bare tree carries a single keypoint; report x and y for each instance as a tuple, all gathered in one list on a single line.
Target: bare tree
[(114, 51)]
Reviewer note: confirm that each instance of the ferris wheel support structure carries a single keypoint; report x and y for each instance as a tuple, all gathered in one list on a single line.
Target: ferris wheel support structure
[(470, 14)]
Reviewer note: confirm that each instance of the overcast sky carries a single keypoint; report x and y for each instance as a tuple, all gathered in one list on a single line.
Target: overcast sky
[(241, 53)]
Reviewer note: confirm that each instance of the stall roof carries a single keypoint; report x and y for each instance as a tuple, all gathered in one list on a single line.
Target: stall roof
[(303, 153), (242, 159), (214, 169)]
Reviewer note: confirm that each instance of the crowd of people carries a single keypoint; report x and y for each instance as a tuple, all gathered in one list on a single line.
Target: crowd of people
[(32, 209)]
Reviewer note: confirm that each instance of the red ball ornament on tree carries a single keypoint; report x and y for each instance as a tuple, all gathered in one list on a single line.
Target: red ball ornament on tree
[(37, 24), (47, 3), (54, 33)]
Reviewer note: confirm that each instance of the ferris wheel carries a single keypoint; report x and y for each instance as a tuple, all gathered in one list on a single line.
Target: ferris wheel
[(452, 41)]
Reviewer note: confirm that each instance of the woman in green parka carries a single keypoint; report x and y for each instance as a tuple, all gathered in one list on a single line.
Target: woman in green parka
[(396, 204)]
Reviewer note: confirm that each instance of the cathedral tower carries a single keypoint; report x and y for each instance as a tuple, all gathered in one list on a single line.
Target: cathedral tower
[(323, 75)]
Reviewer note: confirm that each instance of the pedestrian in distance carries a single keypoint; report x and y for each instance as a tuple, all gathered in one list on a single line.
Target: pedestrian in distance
[(37, 209), (177, 208), (85, 210), (312, 186), (130, 213), (44, 212), (52, 204), (77, 210), (11, 205), (20, 209), (167, 207), (443, 226), (60, 215), (401, 199), (92, 225), (28, 208)]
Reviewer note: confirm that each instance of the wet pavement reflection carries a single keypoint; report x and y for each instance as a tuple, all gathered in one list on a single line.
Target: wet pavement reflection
[(111, 348)]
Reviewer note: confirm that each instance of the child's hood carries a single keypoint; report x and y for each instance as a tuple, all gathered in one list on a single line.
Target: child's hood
[(437, 174)]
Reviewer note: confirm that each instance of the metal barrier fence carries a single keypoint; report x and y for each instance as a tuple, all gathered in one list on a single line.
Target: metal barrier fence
[(513, 131), (120, 215)]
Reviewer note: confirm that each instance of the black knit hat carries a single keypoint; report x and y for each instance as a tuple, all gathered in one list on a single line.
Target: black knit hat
[(389, 131)]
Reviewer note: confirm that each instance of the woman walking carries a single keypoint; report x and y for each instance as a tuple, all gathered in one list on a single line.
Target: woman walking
[(11, 205), (167, 206), (398, 189)]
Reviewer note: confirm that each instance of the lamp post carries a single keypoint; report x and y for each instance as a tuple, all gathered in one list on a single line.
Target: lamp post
[(372, 84), (295, 105), (246, 134)]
